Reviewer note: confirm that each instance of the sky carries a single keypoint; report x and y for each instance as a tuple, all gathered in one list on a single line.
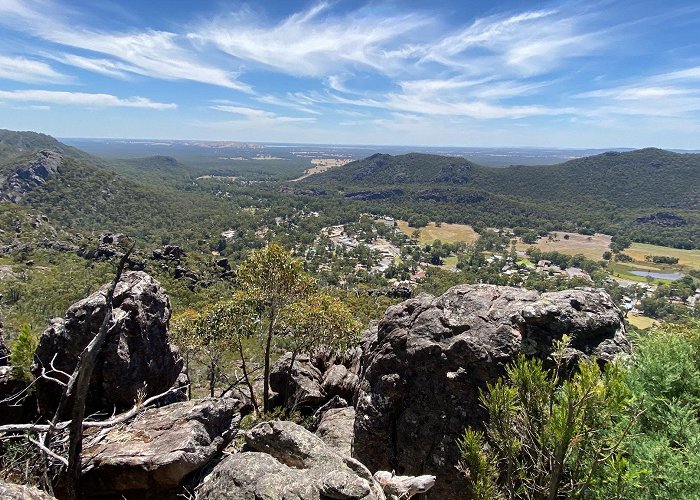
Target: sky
[(463, 73)]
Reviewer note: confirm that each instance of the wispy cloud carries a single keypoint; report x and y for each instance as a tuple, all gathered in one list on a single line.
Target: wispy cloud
[(152, 53), (670, 94), (21, 69), (81, 99), (258, 114), (314, 42)]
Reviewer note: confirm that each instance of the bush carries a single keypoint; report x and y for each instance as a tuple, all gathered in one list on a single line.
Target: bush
[(22, 353), (548, 438)]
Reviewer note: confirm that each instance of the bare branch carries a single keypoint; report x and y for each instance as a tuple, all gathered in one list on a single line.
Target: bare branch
[(121, 418), (48, 451), (133, 412)]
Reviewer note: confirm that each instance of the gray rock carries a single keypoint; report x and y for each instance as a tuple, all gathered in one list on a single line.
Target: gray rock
[(303, 389), (339, 381), (9, 491), (337, 429), (425, 362), (159, 448), (30, 175), (289, 462), (137, 359)]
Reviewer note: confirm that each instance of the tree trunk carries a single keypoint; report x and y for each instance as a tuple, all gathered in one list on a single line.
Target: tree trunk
[(212, 377), (288, 383), (268, 346), (82, 375), (247, 379)]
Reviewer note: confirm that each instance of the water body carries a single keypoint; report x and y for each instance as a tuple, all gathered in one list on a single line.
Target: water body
[(660, 276)]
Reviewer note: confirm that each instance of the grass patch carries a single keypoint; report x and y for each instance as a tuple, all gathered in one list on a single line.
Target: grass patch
[(447, 233), (449, 262), (640, 321), (592, 247), (686, 258)]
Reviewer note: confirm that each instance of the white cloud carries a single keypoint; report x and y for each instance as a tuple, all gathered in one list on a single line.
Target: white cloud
[(259, 115), (524, 44), (81, 99), (108, 67), (156, 54), (313, 43), (21, 69)]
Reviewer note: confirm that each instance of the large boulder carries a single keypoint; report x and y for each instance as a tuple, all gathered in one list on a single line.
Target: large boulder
[(30, 174), (337, 429), (428, 357), (159, 448), (288, 462), (339, 381), (10, 491), (303, 388), (137, 359)]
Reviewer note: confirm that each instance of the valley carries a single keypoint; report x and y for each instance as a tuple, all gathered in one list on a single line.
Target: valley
[(372, 236)]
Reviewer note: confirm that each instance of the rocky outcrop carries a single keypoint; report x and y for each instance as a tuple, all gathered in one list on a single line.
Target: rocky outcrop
[(303, 388), (9, 491), (168, 252), (337, 429), (30, 175), (339, 381), (428, 357), (137, 359), (288, 462), (158, 449)]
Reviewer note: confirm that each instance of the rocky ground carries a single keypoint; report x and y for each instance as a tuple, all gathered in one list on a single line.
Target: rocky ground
[(397, 403)]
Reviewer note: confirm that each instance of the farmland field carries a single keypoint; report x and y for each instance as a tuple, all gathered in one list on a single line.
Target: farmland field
[(640, 321), (688, 258), (591, 247), (447, 233)]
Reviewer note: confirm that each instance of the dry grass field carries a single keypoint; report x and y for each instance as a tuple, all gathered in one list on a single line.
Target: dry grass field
[(591, 247), (447, 233), (687, 258), (640, 321)]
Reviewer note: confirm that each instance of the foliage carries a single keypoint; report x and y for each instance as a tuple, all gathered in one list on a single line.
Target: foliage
[(664, 447), (550, 438), (22, 353)]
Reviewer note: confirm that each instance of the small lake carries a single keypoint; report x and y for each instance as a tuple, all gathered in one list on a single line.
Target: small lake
[(659, 276)]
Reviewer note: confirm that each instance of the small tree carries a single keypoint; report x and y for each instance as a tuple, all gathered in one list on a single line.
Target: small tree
[(182, 332), (320, 320), (273, 278), (22, 353), (547, 438), (231, 322)]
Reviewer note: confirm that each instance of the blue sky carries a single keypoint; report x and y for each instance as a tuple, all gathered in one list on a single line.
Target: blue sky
[(467, 73)]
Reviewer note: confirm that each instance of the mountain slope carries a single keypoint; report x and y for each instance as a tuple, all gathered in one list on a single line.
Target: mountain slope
[(650, 194), (82, 193)]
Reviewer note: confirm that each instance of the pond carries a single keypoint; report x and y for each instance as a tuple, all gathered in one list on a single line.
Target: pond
[(659, 276)]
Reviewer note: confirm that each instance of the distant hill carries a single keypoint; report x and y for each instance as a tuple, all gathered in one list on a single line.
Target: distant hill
[(13, 144), (651, 194), (83, 193), (641, 178), (412, 168)]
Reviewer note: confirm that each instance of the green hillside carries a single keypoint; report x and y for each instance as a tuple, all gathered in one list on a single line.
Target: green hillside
[(649, 195)]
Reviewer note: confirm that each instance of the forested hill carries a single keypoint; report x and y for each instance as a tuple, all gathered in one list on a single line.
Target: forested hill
[(649, 195), (82, 193), (641, 178), (412, 168), (13, 144)]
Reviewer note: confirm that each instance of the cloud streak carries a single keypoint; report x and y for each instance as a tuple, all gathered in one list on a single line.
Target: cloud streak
[(81, 99), (21, 69)]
